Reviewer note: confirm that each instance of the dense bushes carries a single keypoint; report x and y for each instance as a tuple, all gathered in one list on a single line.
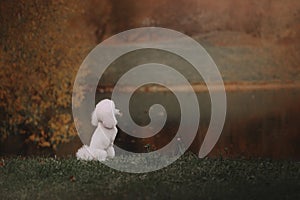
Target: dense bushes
[(39, 58)]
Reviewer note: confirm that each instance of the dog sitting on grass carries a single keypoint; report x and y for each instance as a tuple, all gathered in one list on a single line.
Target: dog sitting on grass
[(101, 145)]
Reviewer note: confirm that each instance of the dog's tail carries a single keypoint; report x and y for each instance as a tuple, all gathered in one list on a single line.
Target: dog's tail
[(87, 153), (84, 154)]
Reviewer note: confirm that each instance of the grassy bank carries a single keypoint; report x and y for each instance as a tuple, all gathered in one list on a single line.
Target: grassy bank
[(187, 178)]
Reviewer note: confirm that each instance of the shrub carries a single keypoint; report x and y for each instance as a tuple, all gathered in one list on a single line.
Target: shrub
[(38, 67)]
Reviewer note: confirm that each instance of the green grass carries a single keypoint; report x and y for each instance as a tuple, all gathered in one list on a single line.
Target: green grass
[(187, 178)]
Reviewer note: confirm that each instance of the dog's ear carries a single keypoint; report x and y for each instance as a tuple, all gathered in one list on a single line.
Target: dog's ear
[(108, 116), (94, 120)]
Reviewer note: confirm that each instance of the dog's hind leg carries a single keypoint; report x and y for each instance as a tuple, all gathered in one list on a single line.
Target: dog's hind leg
[(100, 154)]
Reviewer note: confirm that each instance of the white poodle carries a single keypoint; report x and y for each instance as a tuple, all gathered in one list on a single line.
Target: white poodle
[(101, 145)]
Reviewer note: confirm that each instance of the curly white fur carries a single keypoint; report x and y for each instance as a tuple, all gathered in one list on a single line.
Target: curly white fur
[(101, 145)]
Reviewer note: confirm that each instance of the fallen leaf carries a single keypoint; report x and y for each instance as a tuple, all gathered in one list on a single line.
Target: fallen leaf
[(72, 178)]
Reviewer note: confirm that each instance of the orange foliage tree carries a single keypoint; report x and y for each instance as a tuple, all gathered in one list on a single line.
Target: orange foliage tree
[(38, 67)]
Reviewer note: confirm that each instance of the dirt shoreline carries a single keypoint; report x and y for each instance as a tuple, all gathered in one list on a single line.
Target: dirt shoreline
[(229, 87)]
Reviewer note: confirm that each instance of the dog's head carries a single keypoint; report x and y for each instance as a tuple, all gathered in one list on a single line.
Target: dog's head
[(105, 112)]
